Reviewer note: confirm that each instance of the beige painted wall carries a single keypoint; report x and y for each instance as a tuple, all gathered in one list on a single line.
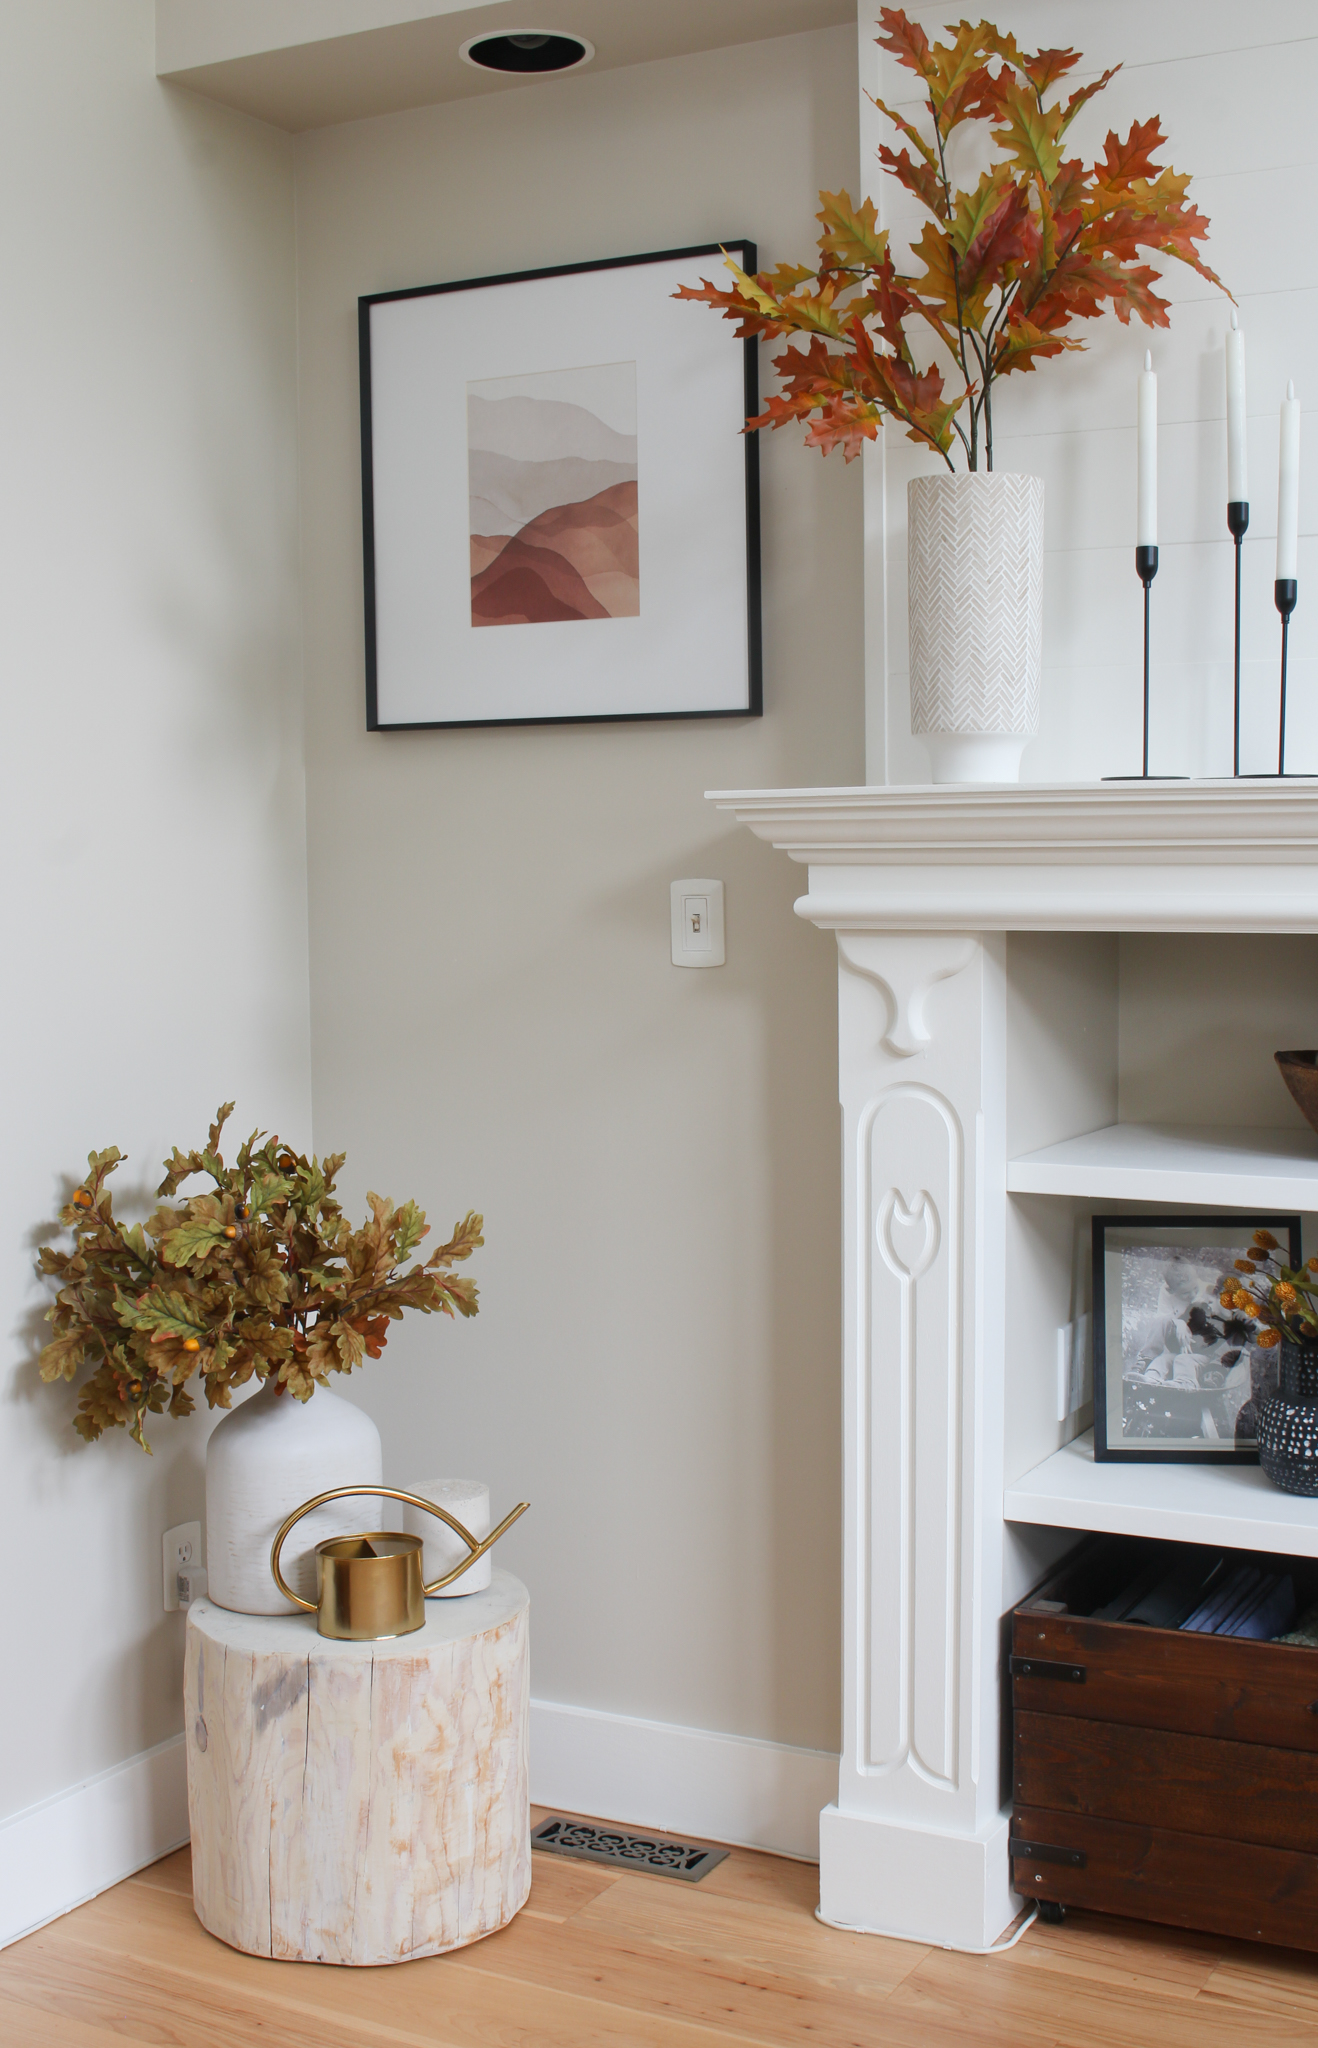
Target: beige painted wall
[(496, 1020), (1200, 1020), (154, 913)]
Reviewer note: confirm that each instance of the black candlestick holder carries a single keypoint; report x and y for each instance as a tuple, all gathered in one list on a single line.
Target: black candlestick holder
[(1285, 593), (1237, 522), (1146, 568)]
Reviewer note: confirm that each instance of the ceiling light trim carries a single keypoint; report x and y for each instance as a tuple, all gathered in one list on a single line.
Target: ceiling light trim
[(504, 35)]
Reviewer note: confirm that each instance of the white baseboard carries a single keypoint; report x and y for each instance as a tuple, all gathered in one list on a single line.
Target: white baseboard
[(686, 1781), (65, 1850), (723, 1788)]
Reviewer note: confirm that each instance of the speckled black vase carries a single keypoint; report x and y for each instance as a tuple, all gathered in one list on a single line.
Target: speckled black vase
[(1288, 1424)]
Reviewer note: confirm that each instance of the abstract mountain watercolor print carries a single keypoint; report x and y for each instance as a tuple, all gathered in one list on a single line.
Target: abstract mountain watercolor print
[(551, 472)]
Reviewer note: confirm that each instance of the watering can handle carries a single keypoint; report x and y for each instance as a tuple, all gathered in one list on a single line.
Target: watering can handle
[(413, 1500)]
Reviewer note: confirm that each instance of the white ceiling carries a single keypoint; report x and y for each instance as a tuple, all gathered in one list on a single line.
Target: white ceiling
[(307, 63)]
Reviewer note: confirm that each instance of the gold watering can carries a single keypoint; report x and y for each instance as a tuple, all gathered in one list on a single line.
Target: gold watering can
[(370, 1586)]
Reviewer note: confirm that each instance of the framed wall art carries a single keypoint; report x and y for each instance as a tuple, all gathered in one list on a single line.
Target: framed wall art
[(1177, 1378), (560, 508)]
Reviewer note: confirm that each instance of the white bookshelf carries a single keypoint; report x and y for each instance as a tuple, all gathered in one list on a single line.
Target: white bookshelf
[(1013, 964), (1227, 1166), (1233, 1505)]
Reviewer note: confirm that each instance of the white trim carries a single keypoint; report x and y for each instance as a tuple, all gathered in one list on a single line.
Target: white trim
[(492, 35), (687, 1781), (723, 1788), (61, 1852), (1128, 824)]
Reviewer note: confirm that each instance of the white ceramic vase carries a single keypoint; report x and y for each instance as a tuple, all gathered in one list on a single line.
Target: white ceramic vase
[(975, 606), (263, 1460)]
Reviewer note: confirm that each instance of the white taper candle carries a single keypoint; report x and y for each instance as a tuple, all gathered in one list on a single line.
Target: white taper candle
[(1146, 522), (1288, 488), (1237, 485)]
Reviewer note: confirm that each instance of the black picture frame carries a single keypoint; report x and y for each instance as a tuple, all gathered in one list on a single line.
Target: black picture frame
[(747, 702), (1233, 1230)]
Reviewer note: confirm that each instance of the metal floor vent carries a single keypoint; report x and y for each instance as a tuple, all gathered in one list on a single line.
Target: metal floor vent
[(625, 1849)]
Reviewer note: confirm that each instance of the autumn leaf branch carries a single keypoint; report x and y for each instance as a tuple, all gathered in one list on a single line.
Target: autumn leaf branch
[(1041, 243), (263, 1277)]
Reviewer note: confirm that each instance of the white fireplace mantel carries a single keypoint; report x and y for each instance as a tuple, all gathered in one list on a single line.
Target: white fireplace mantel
[(954, 1286), (1130, 856)]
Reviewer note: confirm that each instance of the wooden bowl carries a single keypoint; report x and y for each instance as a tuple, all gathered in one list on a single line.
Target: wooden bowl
[(1299, 1070)]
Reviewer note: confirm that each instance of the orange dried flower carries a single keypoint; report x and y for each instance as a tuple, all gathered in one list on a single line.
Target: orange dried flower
[(1265, 1237), (1266, 1339), (1244, 1266), (1286, 1293)]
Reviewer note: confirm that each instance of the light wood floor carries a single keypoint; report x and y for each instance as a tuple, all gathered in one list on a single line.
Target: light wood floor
[(652, 1963)]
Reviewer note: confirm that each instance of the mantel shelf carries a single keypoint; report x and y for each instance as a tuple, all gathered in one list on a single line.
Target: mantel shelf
[(1234, 1505), (1224, 1166), (1233, 856), (1130, 824)]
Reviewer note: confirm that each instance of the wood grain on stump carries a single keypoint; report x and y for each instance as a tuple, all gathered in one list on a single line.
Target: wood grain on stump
[(360, 1802)]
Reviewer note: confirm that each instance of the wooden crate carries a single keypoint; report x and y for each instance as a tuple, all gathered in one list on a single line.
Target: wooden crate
[(1161, 1775)]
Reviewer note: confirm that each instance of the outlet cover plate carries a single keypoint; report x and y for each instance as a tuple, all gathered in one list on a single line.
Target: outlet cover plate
[(181, 1545)]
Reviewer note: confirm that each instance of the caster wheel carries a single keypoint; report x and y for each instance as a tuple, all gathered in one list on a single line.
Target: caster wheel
[(1052, 1912)]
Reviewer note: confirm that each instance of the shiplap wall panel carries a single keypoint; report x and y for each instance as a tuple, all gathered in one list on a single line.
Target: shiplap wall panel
[(1233, 91)]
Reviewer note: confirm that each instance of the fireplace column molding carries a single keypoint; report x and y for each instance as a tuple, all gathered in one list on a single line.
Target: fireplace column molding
[(916, 1838)]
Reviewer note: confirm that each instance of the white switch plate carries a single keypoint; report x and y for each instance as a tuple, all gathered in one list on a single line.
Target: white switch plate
[(1075, 1368), (697, 914), (181, 1545)]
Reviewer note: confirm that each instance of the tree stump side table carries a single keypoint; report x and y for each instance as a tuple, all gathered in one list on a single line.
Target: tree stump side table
[(359, 1802)]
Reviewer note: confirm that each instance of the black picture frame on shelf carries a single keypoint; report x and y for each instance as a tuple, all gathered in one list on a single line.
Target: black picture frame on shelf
[(512, 429), (1175, 1379)]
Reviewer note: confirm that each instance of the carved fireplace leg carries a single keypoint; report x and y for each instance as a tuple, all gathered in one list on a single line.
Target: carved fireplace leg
[(917, 1842)]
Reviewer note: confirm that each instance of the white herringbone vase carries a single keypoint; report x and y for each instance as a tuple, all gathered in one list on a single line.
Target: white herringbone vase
[(975, 595)]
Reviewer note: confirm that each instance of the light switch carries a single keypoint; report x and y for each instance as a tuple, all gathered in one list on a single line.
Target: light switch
[(697, 916)]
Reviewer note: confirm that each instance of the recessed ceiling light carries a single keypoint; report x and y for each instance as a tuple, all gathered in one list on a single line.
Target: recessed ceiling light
[(527, 52)]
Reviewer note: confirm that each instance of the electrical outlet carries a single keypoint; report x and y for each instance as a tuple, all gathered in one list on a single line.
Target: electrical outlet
[(191, 1583), (181, 1546)]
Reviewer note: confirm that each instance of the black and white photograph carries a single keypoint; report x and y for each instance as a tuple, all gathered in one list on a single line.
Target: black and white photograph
[(1176, 1376)]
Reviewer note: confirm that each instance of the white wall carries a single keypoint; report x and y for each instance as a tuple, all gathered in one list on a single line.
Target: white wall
[(1235, 90), (154, 925), (496, 1020)]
